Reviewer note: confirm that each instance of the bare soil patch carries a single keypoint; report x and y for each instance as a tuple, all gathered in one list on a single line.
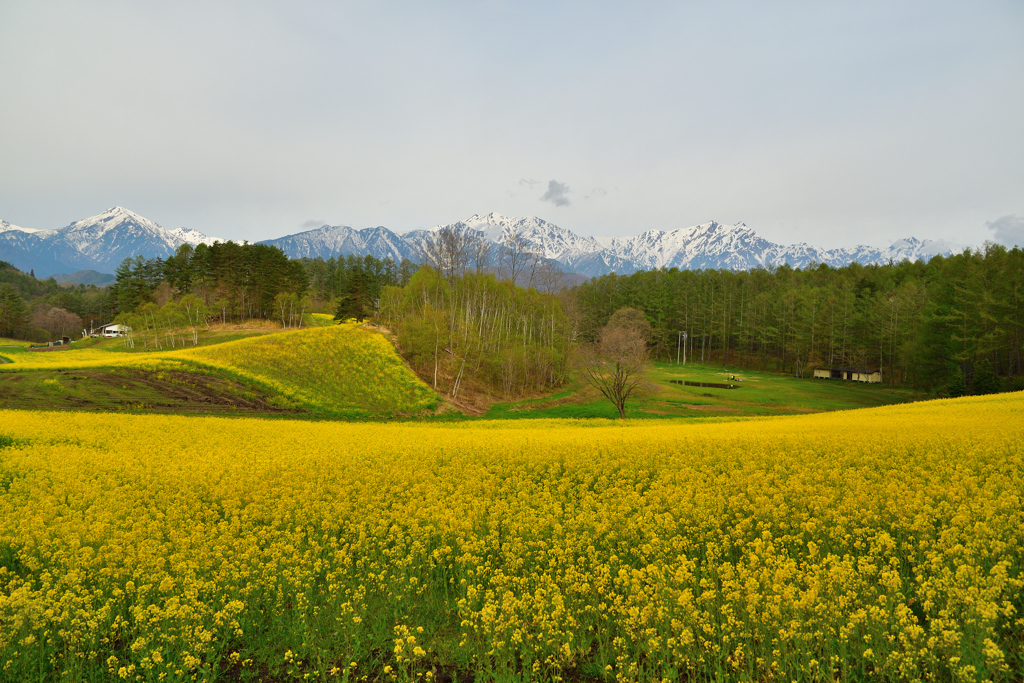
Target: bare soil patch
[(134, 390)]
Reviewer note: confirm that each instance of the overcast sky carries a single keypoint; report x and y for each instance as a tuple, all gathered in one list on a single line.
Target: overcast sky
[(834, 123)]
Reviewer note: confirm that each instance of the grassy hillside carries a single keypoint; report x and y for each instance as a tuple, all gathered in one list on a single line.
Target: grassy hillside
[(878, 544), (339, 368), (4, 342), (336, 371)]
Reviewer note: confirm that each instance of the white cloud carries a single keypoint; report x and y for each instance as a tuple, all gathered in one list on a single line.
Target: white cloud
[(1008, 230)]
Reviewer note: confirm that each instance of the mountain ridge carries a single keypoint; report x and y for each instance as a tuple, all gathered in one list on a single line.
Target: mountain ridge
[(97, 243), (102, 241), (708, 245)]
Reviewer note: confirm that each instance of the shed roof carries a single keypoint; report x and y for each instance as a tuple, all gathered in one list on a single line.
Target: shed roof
[(848, 368)]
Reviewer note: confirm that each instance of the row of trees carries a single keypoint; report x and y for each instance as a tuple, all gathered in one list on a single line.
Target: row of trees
[(240, 281), (243, 280), (474, 330), (920, 323), (352, 284), (176, 323), (13, 310)]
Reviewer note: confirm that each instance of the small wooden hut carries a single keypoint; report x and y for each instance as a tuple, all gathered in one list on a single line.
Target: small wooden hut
[(850, 374)]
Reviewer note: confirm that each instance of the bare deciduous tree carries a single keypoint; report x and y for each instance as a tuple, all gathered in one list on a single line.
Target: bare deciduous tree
[(549, 279), (57, 321), (614, 365), (632, 319), (450, 251), (515, 257), (481, 254)]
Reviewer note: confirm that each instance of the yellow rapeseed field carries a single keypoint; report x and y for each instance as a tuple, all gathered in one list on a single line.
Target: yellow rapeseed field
[(881, 544)]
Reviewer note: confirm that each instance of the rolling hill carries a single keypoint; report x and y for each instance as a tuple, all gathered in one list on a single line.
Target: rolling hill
[(337, 371)]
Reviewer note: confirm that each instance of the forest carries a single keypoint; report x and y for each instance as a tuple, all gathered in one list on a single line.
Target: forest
[(241, 280), (934, 326), (928, 325), (232, 282), (41, 310), (473, 330)]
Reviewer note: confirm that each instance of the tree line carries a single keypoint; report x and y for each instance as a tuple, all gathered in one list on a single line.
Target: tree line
[(463, 322), (243, 281), (463, 319), (353, 284), (921, 323)]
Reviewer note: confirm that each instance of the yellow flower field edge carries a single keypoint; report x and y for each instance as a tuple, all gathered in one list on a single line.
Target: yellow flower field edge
[(881, 544), (336, 371)]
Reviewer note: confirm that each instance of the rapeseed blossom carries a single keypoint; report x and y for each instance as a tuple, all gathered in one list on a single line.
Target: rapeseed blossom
[(874, 544)]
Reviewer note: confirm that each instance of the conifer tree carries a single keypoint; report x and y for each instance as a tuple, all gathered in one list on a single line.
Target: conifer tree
[(956, 386), (984, 380)]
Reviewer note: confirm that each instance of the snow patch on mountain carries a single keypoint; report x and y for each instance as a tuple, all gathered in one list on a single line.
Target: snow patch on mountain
[(5, 226), (194, 237)]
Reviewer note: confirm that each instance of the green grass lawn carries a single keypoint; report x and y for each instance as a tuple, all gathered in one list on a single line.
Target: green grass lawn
[(759, 393)]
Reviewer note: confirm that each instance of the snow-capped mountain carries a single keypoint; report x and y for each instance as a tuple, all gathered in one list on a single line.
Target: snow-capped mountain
[(709, 245), (341, 240), (98, 243), (110, 237), (101, 242), (28, 251)]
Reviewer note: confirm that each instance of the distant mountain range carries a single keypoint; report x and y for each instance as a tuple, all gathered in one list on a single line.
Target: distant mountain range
[(709, 245), (101, 242), (97, 243), (86, 277)]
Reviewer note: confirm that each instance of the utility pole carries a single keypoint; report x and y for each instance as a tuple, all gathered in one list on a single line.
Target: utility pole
[(684, 348)]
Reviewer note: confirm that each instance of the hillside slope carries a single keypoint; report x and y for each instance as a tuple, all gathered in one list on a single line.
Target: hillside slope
[(342, 367), (337, 371)]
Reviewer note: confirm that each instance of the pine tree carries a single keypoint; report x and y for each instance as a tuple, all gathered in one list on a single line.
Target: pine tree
[(13, 310), (353, 300), (985, 380), (956, 386)]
